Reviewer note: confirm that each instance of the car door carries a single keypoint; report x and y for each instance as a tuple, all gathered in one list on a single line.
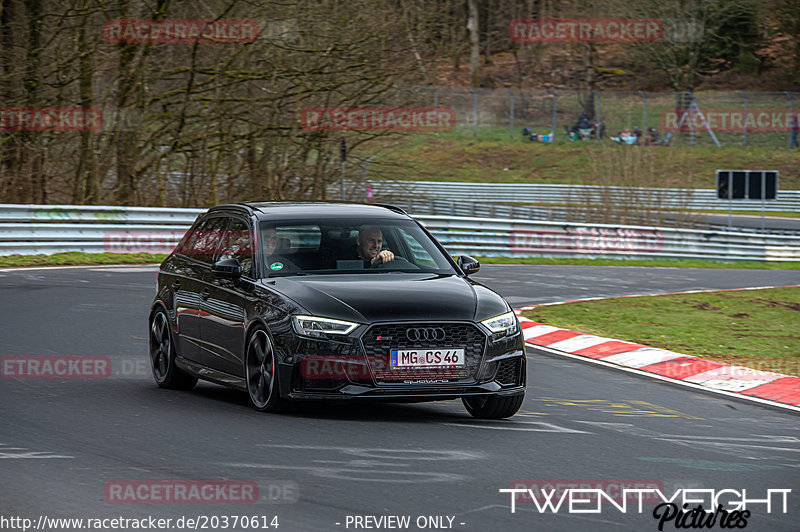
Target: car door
[(222, 325), (184, 284), (190, 289)]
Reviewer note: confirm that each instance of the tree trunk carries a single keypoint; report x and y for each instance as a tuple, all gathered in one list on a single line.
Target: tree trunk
[(9, 95), (589, 78), (37, 187), (474, 40), (86, 179), (488, 9)]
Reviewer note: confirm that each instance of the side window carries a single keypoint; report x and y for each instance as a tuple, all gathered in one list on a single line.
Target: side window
[(202, 244), (190, 240), (419, 255), (238, 244)]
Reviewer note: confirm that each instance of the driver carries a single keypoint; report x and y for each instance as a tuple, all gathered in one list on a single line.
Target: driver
[(368, 246)]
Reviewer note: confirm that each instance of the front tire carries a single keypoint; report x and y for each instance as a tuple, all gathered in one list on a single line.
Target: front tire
[(493, 406), (261, 373), (162, 356)]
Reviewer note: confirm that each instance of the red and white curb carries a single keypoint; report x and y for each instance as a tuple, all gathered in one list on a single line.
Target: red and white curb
[(765, 385)]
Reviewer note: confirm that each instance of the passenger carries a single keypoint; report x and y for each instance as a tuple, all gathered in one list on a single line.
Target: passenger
[(275, 262)]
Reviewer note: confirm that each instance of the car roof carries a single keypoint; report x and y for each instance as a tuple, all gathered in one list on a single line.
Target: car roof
[(270, 210)]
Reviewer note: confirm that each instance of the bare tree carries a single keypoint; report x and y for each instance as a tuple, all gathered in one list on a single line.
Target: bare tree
[(474, 40)]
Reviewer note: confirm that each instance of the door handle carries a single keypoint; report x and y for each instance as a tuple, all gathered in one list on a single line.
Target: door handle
[(205, 293), (176, 285)]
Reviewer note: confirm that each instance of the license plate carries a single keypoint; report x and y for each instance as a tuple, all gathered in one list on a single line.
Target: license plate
[(406, 358)]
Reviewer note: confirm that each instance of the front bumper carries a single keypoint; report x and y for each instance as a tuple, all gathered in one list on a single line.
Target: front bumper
[(342, 369), (437, 393)]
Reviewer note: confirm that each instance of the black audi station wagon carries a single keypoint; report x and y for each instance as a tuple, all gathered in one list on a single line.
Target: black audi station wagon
[(303, 301)]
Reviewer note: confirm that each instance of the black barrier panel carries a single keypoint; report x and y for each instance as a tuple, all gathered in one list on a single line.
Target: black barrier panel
[(772, 185), (762, 181), (722, 183), (747, 184), (754, 183), (739, 185)]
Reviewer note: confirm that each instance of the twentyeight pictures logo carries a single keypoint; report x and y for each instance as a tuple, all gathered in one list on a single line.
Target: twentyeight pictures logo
[(683, 508), (377, 118), (174, 31), (586, 30)]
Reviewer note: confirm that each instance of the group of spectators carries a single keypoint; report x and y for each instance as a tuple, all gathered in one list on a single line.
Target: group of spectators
[(587, 129), (638, 138)]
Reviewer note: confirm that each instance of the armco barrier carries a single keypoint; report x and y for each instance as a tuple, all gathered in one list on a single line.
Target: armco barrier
[(46, 229), (669, 198)]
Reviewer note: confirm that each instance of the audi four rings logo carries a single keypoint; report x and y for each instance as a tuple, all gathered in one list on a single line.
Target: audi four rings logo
[(418, 334)]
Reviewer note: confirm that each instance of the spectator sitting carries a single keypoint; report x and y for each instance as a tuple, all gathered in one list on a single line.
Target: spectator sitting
[(638, 134), (626, 136), (583, 122), (599, 129)]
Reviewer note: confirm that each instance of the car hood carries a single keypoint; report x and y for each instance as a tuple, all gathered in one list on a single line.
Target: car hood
[(392, 297)]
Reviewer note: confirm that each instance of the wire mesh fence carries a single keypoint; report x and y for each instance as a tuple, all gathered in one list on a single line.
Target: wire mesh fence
[(707, 118)]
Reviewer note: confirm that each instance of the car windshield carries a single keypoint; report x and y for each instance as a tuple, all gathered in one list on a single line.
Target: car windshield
[(300, 247)]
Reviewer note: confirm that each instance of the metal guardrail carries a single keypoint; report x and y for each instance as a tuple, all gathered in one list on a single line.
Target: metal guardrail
[(13, 212), (578, 214), (45, 229), (516, 238), (669, 198)]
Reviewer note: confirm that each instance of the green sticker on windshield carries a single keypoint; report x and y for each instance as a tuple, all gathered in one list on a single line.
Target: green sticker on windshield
[(276, 266)]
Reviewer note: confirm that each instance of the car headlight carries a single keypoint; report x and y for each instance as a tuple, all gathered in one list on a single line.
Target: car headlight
[(321, 327), (504, 323)]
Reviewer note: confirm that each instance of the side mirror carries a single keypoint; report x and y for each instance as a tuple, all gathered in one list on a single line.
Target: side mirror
[(227, 269), (468, 264)]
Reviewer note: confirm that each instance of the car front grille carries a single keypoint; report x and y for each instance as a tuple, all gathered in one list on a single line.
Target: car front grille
[(382, 338), (508, 372)]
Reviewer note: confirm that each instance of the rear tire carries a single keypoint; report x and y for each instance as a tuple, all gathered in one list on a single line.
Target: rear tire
[(493, 406), (162, 356)]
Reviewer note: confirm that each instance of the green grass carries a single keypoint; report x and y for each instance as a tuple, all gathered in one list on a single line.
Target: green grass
[(649, 263), (75, 258), (492, 157), (753, 328)]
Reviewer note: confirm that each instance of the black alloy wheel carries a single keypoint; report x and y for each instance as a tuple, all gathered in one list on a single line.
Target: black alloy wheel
[(261, 373), (162, 356)]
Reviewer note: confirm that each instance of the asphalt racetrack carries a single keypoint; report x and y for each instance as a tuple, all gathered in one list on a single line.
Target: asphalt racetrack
[(114, 447)]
